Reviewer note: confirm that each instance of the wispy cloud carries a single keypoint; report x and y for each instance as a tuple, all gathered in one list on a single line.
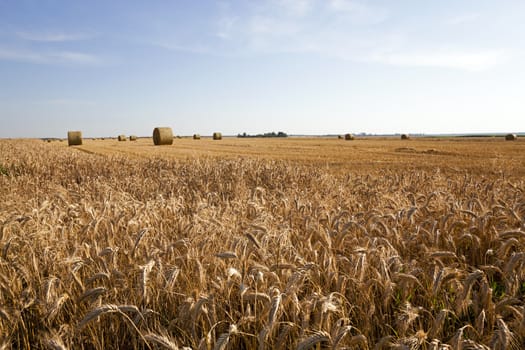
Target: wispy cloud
[(60, 57), (190, 48), (464, 18), (358, 11), (353, 30), (53, 36), (67, 102), (270, 26), (290, 26), (74, 57), (38, 48), (296, 8), (225, 26), (470, 61)]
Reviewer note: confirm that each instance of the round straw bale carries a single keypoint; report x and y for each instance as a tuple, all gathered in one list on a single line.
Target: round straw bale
[(340, 137), (404, 137), (162, 136), (511, 137), (217, 136), (349, 137), (74, 138), (196, 136), (133, 138), (122, 137)]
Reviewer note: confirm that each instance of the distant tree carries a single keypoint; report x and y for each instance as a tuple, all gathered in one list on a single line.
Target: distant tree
[(267, 134)]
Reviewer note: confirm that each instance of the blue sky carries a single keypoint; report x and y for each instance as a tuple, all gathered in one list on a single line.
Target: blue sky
[(299, 66)]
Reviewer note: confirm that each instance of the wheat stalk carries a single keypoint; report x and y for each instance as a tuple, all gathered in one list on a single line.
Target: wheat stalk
[(162, 341), (317, 338)]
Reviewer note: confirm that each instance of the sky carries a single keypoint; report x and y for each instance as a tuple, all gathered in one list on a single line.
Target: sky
[(299, 66)]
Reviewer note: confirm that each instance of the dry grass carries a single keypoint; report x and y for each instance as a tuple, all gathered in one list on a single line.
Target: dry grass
[(258, 252)]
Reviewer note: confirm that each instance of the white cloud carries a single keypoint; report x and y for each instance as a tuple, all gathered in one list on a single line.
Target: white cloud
[(271, 26), (69, 57), (358, 11), (470, 61), (278, 26), (225, 26), (28, 52), (297, 8), (465, 18), (52, 37), (353, 30), (74, 57), (191, 48), (68, 102)]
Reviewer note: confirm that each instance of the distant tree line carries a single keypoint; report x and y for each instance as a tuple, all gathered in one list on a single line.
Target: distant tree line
[(267, 134)]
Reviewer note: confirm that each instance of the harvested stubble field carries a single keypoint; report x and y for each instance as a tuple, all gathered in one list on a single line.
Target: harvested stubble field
[(262, 244)]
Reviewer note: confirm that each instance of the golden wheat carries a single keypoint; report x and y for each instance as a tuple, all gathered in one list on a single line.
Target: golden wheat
[(251, 253)]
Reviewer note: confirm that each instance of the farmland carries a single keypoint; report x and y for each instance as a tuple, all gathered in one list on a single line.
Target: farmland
[(480, 155), (263, 244)]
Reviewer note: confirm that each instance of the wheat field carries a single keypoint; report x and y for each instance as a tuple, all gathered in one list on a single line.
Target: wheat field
[(262, 244)]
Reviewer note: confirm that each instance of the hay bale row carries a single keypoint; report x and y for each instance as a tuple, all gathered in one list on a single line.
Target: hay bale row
[(162, 136), (74, 138)]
